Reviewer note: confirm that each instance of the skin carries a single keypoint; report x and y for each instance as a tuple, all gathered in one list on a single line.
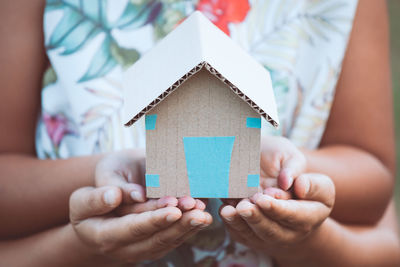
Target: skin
[(51, 232)]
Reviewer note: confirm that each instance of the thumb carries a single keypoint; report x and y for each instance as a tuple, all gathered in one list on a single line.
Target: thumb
[(315, 187), (131, 192), (291, 168), (87, 202)]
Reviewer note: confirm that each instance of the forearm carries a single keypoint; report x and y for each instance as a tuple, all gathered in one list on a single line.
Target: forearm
[(34, 193), (55, 247), (335, 244), (362, 182)]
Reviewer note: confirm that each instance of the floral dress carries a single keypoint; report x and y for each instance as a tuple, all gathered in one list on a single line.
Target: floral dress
[(90, 44)]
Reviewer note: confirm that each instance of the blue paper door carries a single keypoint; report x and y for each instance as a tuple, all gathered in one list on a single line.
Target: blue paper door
[(208, 160)]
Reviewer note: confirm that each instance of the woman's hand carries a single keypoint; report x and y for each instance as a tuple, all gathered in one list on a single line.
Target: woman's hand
[(147, 235), (273, 225), (281, 162)]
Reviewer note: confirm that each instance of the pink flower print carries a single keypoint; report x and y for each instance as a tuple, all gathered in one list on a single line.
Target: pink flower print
[(57, 126)]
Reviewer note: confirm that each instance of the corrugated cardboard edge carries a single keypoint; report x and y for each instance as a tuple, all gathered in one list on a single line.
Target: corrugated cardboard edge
[(185, 77)]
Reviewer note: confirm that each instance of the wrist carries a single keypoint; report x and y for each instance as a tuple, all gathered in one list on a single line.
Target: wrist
[(83, 254)]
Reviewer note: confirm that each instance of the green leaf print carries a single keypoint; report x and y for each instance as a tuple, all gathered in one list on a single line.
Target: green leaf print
[(172, 13), (125, 57), (49, 77), (80, 23), (138, 14), (275, 44), (102, 61), (84, 20)]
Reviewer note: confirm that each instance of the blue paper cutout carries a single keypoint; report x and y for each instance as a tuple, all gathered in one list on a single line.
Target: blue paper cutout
[(152, 180), (253, 122), (208, 160), (150, 121), (253, 180)]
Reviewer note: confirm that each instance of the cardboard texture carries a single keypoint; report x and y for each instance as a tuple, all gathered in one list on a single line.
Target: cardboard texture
[(202, 113), (202, 107)]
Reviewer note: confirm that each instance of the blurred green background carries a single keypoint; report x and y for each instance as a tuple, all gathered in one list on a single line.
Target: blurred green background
[(394, 13)]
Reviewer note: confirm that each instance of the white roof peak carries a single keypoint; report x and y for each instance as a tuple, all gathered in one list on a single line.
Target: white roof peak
[(192, 45)]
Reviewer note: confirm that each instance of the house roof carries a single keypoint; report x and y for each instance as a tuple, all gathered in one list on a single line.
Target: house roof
[(195, 44)]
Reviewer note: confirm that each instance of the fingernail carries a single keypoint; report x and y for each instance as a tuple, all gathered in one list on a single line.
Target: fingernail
[(171, 218), (290, 182), (110, 197), (137, 196), (195, 223)]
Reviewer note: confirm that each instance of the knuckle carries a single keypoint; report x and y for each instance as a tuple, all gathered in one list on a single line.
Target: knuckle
[(137, 230), (268, 234), (160, 242), (292, 221), (256, 219)]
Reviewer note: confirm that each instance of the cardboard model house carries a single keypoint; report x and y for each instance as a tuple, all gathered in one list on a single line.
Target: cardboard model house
[(203, 98)]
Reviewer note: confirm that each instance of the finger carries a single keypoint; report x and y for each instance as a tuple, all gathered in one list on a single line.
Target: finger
[(231, 217), (291, 167), (315, 187), (151, 204), (135, 227), (294, 214), (191, 222), (200, 204), (131, 192), (238, 229), (171, 237), (186, 203), (88, 202), (228, 214), (265, 228), (277, 193)]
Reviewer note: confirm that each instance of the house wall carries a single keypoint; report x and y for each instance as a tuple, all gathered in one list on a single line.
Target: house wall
[(202, 106)]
